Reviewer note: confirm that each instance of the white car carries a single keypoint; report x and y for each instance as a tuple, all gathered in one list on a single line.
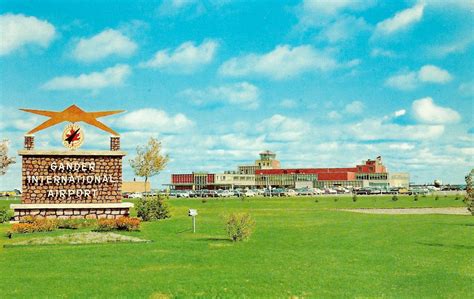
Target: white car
[(225, 193), (182, 194), (249, 193), (330, 191), (135, 195), (291, 192)]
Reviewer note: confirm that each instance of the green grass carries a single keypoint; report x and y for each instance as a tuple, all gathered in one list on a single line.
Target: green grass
[(300, 248)]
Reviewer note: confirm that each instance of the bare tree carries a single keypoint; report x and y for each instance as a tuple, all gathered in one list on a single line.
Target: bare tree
[(5, 161), (149, 160)]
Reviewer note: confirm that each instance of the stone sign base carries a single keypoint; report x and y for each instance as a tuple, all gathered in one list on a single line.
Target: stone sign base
[(72, 211)]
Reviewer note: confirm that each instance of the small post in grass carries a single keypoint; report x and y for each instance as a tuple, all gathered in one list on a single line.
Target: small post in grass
[(193, 213)]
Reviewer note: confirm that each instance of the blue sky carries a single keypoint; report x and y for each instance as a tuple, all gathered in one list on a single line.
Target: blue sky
[(321, 83)]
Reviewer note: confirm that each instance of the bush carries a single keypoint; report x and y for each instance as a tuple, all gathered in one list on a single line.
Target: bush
[(336, 199), (5, 215), (457, 197), (45, 225), (151, 209), (122, 223), (22, 228), (354, 197), (316, 200), (416, 197), (239, 226), (394, 197), (128, 224), (31, 224), (105, 225), (436, 197)]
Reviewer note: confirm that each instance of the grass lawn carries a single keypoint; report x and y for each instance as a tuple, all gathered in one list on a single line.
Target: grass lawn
[(300, 248)]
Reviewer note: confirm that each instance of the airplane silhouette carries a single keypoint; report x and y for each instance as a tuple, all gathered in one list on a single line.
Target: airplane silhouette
[(74, 136)]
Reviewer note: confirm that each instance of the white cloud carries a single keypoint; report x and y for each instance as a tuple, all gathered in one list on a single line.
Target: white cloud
[(455, 47), (242, 94), (288, 103), (279, 128), (185, 59), (379, 52), (112, 76), (282, 62), (405, 81), (400, 21), (433, 74), (426, 74), (316, 13), (328, 7), (153, 120), (343, 28), (108, 42), (399, 113), (334, 115), (355, 107), (378, 129), (427, 112), (19, 30), (173, 7)]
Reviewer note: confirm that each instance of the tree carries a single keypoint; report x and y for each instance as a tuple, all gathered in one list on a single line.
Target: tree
[(149, 160), (5, 161), (469, 198)]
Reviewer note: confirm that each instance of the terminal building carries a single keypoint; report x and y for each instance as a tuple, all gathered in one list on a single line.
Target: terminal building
[(267, 172)]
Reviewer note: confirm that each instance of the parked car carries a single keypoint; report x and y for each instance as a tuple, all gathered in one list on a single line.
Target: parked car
[(135, 195), (225, 193), (275, 192), (249, 193), (182, 194), (304, 191), (342, 190), (290, 192), (239, 193), (330, 191)]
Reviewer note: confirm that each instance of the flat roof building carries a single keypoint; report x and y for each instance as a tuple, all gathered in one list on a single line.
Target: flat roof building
[(267, 172)]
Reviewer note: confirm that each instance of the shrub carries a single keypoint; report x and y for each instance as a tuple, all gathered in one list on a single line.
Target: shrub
[(416, 197), (122, 223), (150, 209), (5, 215), (457, 197), (436, 197), (239, 226), (22, 228), (128, 224), (104, 225), (45, 225), (394, 197), (316, 200), (30, 224), (336, 199), (354, 197)]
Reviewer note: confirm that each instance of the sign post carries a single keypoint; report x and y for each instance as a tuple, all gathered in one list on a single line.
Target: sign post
[(193, 213)]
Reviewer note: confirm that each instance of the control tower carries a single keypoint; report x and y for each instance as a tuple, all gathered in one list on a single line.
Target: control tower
[(267, 160)]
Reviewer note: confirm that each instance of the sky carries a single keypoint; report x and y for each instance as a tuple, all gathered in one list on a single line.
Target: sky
[(320, 83)]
